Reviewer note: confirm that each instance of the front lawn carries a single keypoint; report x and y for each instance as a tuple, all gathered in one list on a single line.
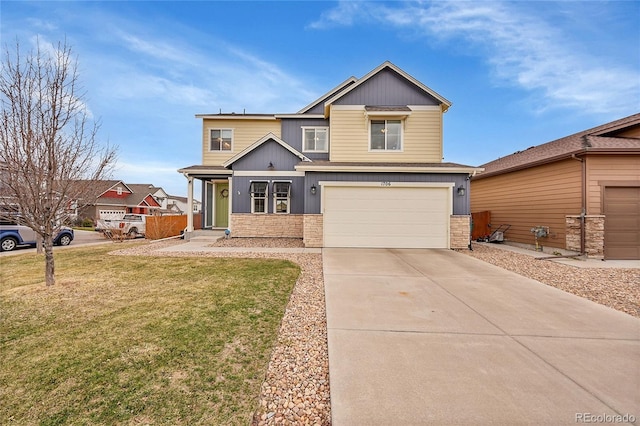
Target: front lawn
[(137, 340)]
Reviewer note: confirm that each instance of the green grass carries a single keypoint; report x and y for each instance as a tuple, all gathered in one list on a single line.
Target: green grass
[(137, 340)]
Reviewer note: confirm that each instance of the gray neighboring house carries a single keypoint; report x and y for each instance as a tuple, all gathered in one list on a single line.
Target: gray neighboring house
[(359, 167)]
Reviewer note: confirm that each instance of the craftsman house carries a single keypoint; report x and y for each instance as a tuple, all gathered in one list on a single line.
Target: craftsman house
[(359, 167), (580, 192)]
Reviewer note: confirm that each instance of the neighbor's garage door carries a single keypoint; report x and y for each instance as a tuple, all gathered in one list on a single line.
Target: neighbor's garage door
[(386, 217), (622, 223)]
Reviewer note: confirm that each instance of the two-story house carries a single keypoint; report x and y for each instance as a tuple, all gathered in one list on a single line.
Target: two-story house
[(359, 167)]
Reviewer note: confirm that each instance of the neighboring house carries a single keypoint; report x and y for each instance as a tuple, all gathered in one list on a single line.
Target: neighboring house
[(181, 204), (584, 189), (359, 167), (112, 199), (174, 204)]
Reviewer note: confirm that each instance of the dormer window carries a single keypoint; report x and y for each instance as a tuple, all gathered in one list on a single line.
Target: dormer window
[(386, 135)]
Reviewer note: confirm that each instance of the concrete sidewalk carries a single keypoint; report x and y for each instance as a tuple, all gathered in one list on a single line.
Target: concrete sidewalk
[(200, 244), (437, 337), (577, 262)]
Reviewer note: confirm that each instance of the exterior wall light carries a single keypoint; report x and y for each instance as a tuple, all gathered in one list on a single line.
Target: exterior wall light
[(461, 191), (313, 190)]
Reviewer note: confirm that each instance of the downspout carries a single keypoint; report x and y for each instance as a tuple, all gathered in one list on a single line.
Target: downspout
[(583, 196)]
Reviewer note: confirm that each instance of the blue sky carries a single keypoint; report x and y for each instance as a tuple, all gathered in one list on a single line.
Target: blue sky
[(518, 73)]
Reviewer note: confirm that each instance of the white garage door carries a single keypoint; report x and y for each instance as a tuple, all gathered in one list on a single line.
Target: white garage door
[(386, 217)]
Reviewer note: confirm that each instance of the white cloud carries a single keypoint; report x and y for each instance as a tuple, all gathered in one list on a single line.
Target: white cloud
[(213, 75), (42, 24), (524, 49)]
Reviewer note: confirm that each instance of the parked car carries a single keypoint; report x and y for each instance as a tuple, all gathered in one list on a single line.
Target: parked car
[(131, 225), (12, 236)]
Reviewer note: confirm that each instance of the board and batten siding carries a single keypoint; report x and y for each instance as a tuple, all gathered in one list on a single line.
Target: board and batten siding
[(539, 196), (312, 202), (349, 136), (245, 133), (612, 170)]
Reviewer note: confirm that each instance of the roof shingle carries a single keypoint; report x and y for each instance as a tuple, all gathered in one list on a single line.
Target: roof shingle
[(600, 138)]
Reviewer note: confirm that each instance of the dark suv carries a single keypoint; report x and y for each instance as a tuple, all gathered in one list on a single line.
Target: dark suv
[(12, 236)]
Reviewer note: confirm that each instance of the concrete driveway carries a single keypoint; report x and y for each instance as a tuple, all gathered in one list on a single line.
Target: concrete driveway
[(437, 337)]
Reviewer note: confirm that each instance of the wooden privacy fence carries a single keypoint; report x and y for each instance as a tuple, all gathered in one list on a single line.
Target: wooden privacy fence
[(481, 224), (159, 227)]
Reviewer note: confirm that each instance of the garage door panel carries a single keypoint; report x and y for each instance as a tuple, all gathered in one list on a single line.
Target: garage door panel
[(396, 217), (622, 223), (623, 238)]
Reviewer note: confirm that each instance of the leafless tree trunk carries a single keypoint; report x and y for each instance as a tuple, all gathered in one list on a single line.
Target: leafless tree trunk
[(49, 154)]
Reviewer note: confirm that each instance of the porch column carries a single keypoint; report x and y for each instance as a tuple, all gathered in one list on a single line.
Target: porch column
[(189, 204)]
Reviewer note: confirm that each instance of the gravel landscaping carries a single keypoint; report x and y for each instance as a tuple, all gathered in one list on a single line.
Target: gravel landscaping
[(296, 386), (616, 288)]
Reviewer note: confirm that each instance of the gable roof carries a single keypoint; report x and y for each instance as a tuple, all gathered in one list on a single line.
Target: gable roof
[(269, 136), (102, 186), (137, 196), (596, 140), (445, 103), (329, 94)]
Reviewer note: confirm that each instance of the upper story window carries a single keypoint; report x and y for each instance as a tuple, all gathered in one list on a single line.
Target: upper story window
[(119, 190), (221, 140), (386, 135), (315, 139), (259, 197), (281, 197)]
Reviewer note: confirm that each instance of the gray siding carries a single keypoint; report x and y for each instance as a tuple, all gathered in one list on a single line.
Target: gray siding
[(312, 202), (269, 152), (242, 197), (318, 108), (292, 134), (387, 88)]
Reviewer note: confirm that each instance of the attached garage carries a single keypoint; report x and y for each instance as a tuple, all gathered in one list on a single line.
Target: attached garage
[(622, 223), (386, 215)]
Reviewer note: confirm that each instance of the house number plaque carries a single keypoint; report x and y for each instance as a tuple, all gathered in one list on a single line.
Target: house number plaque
[(385, 183)]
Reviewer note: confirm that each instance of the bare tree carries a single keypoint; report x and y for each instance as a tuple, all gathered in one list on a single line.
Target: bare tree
[(49, 153)]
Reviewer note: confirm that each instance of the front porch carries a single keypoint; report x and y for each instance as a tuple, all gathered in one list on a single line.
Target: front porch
[(216, 197)]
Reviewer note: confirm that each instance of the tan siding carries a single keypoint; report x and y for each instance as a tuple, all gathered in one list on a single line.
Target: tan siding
[(541, 196), (608, 168), (245, 133), (349, 138)]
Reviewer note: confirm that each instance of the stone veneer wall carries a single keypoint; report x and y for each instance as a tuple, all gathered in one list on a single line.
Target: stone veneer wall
[(313, 230), (266, 225), (460, 231), (594, 234)]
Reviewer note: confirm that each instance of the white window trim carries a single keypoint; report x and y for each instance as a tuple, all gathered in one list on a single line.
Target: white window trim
[(276, 198), (387, 151), (265, 198), (220, 128), (315, 128)]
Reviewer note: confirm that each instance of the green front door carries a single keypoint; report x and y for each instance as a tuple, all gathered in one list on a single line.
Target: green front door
[(222, 205)]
